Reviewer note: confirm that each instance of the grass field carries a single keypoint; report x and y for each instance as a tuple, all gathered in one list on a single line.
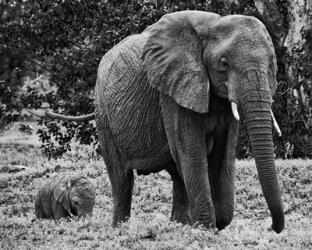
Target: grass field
[(149, 226)]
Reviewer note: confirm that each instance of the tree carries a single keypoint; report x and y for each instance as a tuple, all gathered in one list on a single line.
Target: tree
[(67, 39)]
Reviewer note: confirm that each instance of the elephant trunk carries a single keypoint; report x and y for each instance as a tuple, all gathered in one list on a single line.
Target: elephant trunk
[(256, 107), (85, 210)]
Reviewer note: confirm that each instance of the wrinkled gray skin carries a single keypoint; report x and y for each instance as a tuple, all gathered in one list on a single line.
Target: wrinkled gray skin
[(163, 102), (65, 195)]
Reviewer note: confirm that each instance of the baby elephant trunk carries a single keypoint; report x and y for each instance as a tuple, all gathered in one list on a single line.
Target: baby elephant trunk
[(85, 210)]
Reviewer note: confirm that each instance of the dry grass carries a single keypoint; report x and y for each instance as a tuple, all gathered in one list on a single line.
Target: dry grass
[(149, 226)]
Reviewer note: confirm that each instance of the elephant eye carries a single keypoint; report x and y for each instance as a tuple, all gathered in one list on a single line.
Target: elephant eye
[(224, 64)]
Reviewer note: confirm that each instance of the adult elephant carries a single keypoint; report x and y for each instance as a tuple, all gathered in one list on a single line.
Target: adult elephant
[(171, 97)]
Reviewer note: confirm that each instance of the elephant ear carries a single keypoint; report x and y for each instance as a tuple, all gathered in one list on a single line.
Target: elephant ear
[(173, 59), (61, 192)]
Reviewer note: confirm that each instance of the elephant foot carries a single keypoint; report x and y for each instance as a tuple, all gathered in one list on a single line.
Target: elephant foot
[(120, 217), (180, 215), (222, 224), (224, 215)]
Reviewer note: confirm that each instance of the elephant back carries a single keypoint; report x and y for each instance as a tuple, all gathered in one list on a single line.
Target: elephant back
[(119, 66), (126, 104)]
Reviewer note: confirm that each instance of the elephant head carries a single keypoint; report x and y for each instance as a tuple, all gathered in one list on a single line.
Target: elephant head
[(76, 194), (191, 55)]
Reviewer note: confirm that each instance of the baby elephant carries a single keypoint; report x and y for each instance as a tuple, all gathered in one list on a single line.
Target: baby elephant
[(65, 195)]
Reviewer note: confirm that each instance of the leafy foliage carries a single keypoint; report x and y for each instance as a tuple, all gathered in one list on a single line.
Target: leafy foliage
[(298, 95), (68, 38)]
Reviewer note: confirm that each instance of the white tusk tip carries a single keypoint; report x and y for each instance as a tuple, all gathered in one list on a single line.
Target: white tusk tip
[(234, 111), (275, 124)]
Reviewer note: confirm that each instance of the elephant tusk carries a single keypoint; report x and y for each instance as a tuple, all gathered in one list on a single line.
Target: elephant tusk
[(275, 124), (234, 110)]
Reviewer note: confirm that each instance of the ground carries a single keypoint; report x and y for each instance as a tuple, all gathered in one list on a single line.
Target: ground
[(23, 168)]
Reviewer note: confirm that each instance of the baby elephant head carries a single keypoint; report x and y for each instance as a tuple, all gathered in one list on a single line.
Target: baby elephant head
[(76, 194)]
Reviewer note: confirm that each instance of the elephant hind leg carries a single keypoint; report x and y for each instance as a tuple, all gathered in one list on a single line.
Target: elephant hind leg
[(121, 178), (122, 184), (122, 195), (179, 204)]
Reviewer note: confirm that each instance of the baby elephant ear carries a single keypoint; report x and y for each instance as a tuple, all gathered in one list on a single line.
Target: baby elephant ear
[(61, 192), (173, 60)]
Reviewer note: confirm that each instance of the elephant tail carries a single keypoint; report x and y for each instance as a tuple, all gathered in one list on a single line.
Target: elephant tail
[(43, 113)]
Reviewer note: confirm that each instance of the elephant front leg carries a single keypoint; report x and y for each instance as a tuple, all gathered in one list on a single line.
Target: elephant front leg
[(179, 203), (201, 208), (186, 138), (222, 173), (59, 211)]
